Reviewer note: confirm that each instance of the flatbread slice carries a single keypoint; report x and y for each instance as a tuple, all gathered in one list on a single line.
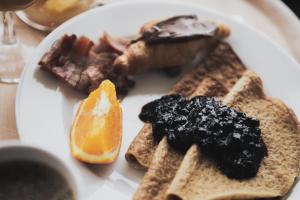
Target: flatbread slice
[(198, 178), (222, 65), (165, 160)]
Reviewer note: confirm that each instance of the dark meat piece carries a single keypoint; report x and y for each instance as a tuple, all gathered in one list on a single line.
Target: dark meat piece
[(117, 44), (83, 65), (179, 28), (173, 42)]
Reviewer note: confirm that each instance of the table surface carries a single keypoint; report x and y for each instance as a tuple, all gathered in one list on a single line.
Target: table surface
[(273, 19)]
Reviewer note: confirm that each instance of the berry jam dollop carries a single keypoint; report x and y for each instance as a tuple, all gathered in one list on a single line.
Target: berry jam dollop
[(228, 137)]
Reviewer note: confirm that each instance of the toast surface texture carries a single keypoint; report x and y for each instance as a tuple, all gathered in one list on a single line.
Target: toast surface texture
[(198, 177), (219, 71)]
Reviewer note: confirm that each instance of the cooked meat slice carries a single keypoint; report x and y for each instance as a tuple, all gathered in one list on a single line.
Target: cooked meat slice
[(83, 65), (170, 43), (118, 44), (58, 50)]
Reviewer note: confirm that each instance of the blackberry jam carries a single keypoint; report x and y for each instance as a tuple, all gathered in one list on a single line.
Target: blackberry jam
[(230, 138)]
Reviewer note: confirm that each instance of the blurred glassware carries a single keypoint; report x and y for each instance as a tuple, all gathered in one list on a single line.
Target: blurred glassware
[(12, 54), (45, 15)]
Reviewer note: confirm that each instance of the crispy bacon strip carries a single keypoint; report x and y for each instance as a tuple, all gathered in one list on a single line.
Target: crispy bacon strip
[(83, 65)]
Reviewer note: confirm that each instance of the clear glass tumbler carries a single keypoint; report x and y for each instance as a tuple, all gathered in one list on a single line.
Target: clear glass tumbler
[(12, 58), (46, 15)]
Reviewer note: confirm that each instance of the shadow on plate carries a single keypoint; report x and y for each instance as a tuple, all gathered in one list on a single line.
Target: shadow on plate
[(43, 78), (52, 83), (70, 96), (100, 170), (121, 186), (133, 174), (157, 82)]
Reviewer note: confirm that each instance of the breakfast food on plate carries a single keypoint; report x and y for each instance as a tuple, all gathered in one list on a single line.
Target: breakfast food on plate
[(83, 65), (168, 43), (161, 173), (214, 135), (214, 76), (96, 132), (227, 136), (278, 171), (197, 176)]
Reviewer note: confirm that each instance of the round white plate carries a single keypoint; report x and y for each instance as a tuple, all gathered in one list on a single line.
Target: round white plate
[(45, 107)]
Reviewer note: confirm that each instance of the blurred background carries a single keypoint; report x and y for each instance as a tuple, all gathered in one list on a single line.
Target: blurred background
[(294, 5)]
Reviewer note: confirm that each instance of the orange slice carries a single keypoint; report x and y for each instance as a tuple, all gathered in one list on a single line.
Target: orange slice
[(96, 132)]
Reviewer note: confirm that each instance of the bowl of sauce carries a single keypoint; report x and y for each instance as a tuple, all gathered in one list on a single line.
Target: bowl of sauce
[(28, 172)]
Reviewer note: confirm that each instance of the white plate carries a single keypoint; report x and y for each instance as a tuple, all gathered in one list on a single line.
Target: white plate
[(45, 107)]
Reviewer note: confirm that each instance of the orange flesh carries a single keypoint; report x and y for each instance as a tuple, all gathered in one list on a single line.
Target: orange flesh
[(97, 126)]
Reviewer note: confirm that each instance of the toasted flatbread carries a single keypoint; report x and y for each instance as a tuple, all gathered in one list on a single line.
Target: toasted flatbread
[(165, 160), (221, 66), (199, 178)]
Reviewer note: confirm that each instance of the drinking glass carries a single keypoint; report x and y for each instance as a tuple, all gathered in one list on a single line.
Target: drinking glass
[(12, 56), (46, 15)]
